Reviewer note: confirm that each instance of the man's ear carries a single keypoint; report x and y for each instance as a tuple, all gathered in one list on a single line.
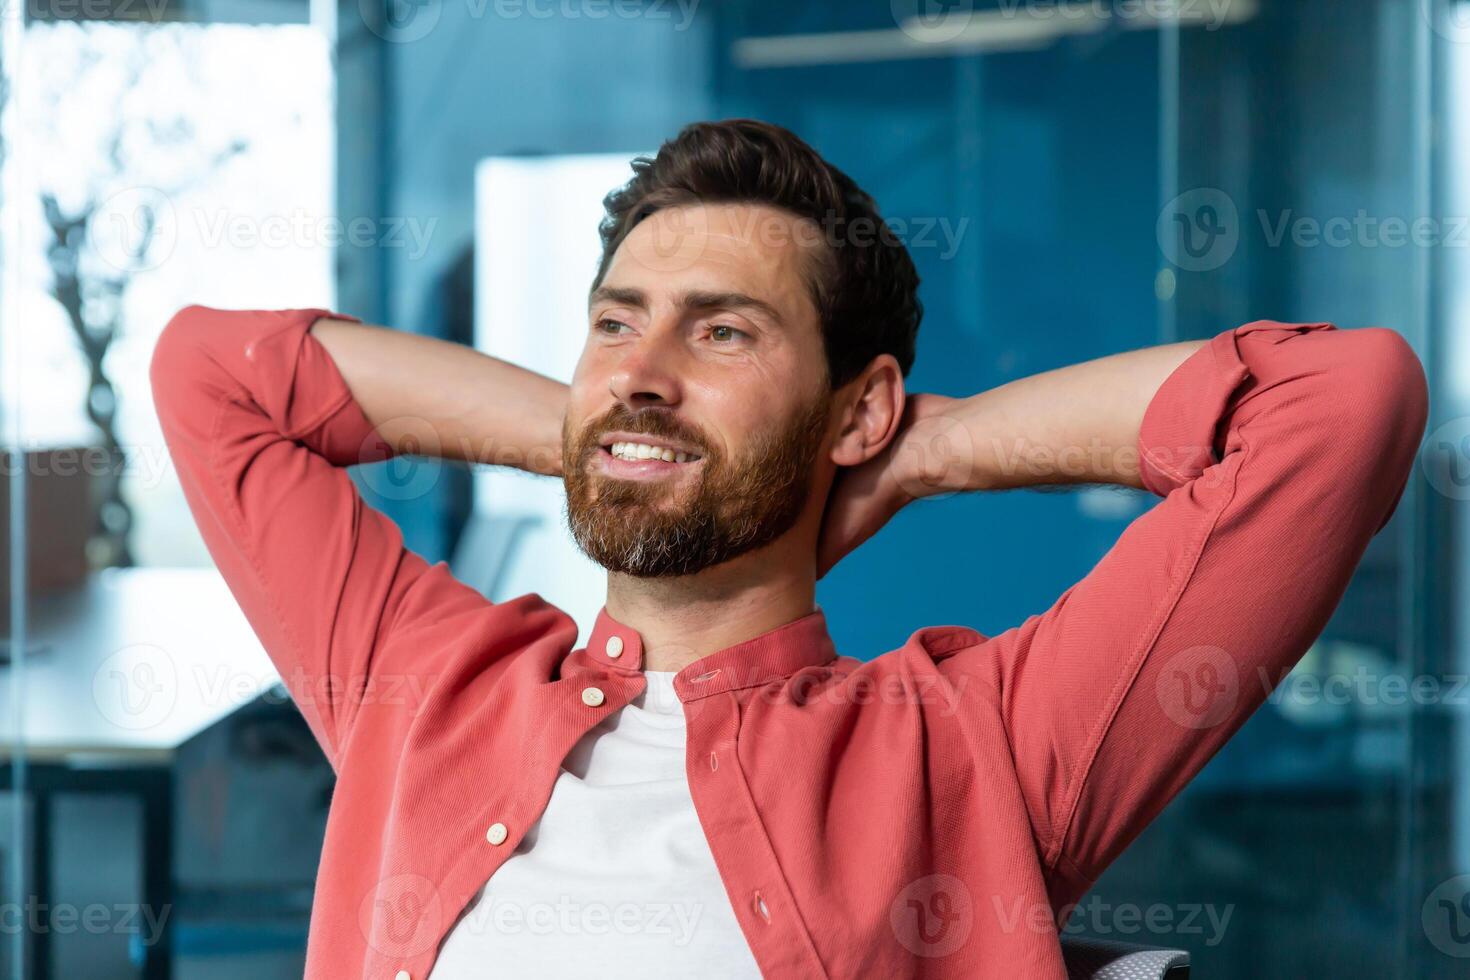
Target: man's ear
[(871, 407)]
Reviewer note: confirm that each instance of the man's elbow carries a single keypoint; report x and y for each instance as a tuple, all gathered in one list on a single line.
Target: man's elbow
[(1386, 394), (1381, 404), (171, 365)]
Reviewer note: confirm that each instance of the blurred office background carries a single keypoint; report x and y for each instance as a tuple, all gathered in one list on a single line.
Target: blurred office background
[(1072, 179)]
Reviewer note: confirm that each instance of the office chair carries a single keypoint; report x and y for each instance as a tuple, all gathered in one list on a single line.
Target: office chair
[(1104, 959)]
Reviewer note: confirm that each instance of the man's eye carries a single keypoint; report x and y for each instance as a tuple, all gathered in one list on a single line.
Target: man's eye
[(725, 333), (610, 327)]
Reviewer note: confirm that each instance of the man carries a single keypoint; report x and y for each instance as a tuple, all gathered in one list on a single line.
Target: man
[(706, 788)]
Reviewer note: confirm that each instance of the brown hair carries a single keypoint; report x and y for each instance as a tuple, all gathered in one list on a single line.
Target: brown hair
[(866, 289)]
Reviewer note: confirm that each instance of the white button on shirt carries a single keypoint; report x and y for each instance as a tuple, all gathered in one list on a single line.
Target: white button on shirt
[(616, 879)]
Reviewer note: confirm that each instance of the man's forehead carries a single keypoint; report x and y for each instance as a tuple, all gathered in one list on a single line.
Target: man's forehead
[(715, 247)]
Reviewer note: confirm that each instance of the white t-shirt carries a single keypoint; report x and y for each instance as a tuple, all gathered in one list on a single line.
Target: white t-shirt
[(616, 879)]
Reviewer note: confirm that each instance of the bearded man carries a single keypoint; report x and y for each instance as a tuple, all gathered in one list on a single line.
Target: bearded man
[(706, 787)]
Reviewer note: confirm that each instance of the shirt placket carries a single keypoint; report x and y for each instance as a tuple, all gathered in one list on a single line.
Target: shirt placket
[(737, 836), (597, 694)]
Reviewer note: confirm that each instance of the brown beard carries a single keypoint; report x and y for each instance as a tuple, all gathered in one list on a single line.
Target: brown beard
[(731, 507)]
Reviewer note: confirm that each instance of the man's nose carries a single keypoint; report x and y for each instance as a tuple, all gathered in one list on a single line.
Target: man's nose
[(650, 371)]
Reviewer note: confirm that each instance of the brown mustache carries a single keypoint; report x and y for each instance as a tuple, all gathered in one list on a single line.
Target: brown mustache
[(648, 422)]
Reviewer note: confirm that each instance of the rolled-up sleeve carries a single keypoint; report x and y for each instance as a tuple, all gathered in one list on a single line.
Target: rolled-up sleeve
[(1279, 450), (260, 427)]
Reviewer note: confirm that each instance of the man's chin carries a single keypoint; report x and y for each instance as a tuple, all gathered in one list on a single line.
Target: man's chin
[(614, 496), (640, 519)]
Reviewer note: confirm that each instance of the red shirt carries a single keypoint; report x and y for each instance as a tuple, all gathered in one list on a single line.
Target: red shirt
[(931, 811)]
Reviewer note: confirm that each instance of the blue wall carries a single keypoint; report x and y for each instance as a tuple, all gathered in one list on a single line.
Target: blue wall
[(1047, 179)]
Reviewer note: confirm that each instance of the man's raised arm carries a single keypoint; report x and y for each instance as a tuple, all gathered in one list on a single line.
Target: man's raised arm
[(437, 398), (1279, 450), (1076, 424), (261, 422)]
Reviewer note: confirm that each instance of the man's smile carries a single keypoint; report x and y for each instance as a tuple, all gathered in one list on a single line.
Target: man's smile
[(629, 456)]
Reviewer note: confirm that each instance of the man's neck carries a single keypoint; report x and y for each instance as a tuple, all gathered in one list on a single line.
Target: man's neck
[(684, 618)]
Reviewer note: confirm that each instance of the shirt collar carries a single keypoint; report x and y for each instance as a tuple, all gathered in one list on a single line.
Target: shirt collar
[(774, 654)]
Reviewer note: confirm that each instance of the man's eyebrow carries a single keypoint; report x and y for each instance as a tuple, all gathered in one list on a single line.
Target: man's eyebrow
[(694, 300), (730, 301), (618, 294)]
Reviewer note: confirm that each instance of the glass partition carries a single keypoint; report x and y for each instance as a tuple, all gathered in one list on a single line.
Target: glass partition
[(153, 157), (1298, 166), (16, 825)]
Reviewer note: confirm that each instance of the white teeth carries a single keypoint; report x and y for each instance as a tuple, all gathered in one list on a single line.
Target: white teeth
[(640, 450)]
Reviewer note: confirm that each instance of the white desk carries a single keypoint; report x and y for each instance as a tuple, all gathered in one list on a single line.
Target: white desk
[(119, 673), (131, 665)]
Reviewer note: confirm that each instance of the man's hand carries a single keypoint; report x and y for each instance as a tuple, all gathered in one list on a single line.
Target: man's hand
[(1073, 425), (913, 464)]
